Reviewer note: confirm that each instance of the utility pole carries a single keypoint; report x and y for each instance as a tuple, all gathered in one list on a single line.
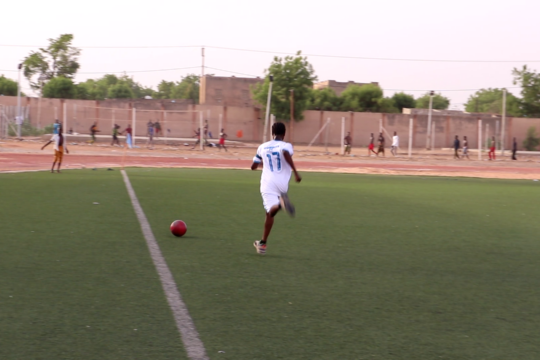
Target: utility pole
[(428, 138), (202, 69), (19, 118), (268, 103), (292, 115), (503, 135)]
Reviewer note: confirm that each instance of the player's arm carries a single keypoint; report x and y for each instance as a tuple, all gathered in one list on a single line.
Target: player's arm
[(43, 147), (289, 160), (257, 160)]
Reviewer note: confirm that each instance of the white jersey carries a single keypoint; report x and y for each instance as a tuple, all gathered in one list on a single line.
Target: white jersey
[(276, 171), (56, 140), (395, 141)]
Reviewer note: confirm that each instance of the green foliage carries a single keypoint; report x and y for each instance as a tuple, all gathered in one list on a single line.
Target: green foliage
[(490, 101), (402, 100), (60, 88), (532, 141), (387, 105), (362, 98), (529, 80), (60, 58), (290, 73), (120, 91), (8, 87), (439, 102), (187, 88), (324, 99), (27, 129), (111, 86)]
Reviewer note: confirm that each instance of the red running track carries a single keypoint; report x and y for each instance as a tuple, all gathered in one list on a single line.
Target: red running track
[(18, 162)]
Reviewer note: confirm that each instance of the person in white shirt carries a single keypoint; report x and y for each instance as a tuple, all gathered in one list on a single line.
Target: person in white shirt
[(59, 148), (395, 144), (276, 158)]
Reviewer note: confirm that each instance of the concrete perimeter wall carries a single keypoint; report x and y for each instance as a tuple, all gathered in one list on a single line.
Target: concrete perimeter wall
[(182, 118)]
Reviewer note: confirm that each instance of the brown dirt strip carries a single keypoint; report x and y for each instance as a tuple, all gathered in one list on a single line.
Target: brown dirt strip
[(27, 162)]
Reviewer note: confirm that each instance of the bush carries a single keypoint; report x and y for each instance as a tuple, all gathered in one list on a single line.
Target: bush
[(531, 142), (28, 130)]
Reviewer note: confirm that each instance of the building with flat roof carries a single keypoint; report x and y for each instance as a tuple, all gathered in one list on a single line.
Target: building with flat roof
[(227, 91), (237, 91), (338, 86)]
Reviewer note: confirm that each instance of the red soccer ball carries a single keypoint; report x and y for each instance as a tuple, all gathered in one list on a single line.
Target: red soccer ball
[(178, 228)]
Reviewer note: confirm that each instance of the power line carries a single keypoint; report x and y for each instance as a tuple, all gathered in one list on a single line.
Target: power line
[(372, 58), (232, 72), (124, 71), (512, 87), (114, 47), (290, 53)]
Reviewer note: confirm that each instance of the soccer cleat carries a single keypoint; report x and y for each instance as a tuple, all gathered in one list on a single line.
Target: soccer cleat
[(261, 248), (286, 204)]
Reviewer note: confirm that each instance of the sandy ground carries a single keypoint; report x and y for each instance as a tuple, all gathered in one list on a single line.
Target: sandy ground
[(25, 155)]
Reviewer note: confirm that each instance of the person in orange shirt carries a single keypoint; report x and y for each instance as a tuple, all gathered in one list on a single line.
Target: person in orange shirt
[(59, 148)]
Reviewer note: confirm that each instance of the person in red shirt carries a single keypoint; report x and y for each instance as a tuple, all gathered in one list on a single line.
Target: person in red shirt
[(371, 145), (222, 137), (129, 136), (492, 149)]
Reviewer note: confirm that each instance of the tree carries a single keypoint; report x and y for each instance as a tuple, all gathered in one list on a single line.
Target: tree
[(111, 86), (188, 88), (60, 58), (59, 88), (324, 99), (529, 80), (532, 141), (490, 101), (120, 90), (387, 105), (165, 89), (8, 87), (439, 102), (402, 100), (362, 98), (290, 73)]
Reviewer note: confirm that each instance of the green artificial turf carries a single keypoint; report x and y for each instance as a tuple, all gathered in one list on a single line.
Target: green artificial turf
[(76, 279), (372, 267)]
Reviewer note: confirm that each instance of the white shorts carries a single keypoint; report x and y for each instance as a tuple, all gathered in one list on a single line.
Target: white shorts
[(270, 200)]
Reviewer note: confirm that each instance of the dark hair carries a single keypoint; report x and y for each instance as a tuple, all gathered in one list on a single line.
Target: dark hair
[(278, 129)]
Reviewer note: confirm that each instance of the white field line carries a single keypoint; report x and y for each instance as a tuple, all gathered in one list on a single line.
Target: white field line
[(189, 335)]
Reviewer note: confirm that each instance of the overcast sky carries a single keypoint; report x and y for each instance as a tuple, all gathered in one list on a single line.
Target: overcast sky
[(395, 29)]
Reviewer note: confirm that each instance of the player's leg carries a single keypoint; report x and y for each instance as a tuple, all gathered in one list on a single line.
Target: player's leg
[(272, 206), (286, 204)]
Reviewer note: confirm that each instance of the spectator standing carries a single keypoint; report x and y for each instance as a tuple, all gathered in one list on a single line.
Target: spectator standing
[(465, 148), (222, 137), (157, 128), (456, 147), (395, 144), (348, 143), (129, 136), (491, 152), (371, 145), (381, 144)]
